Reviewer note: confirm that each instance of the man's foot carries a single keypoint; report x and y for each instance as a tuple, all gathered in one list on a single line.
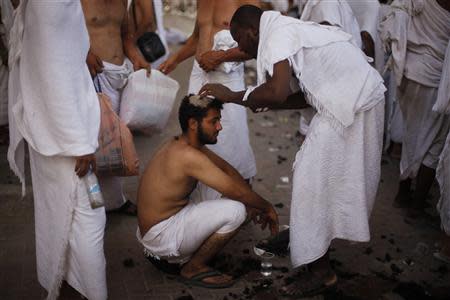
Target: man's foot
[(128, 208), (310, 284), (207, 278)]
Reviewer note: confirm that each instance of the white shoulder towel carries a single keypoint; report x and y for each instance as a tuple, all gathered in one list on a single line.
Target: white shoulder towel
[(338, 77), (44, 55)]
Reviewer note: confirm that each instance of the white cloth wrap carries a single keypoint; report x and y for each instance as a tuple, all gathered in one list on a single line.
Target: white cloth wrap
[(54, 107), (424, 130), (177, 238), (417, 33), (52, 102), (442, 104), (443, 169), (224, 41), (69, 233), (337, 13), (113, 79), (337, 170)]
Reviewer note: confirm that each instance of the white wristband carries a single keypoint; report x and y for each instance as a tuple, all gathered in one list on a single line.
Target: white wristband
[(248, 92)]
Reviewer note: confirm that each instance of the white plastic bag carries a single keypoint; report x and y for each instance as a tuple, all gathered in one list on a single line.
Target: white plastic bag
[(147, 101)]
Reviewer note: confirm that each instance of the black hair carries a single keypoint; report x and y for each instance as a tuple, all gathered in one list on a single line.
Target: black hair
[(247, 16), (188, 111)]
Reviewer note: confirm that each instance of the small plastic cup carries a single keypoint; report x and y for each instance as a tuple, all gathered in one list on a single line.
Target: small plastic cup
[(266, 263)]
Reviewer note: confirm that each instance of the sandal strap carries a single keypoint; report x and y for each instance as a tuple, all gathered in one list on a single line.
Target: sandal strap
[(203, 275)]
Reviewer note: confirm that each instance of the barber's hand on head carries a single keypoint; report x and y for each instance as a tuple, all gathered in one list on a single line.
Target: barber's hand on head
[(210, 60), (94, 63), (169, 65), (270, 218), (217, 91), (83, 163), (140, 63)]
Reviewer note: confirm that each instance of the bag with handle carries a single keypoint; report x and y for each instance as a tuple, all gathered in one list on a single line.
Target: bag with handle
[(116, 154), (147, 102)]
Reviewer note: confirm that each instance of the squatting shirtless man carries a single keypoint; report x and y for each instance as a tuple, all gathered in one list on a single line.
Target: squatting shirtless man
[(175, 223)]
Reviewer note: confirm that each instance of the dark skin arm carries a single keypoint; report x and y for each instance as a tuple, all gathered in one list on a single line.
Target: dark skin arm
[(210, 60), (275, 93)]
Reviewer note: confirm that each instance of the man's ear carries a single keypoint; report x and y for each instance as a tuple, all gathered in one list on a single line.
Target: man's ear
[(193, 124), (255, 33)]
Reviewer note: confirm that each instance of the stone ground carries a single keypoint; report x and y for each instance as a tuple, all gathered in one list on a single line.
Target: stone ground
[(398, 263)]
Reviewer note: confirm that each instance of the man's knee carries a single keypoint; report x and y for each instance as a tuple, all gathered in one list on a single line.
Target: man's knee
[(234, 213)]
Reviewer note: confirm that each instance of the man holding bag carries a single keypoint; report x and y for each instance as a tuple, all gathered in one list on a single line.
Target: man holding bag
[(108, 27)]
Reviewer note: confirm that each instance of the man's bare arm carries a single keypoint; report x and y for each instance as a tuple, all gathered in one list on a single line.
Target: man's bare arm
[(145, 16), (223, 165), (197, 165), (129, 38)]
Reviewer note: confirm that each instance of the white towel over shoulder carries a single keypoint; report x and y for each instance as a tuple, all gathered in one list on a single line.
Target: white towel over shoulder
[(327, 89)]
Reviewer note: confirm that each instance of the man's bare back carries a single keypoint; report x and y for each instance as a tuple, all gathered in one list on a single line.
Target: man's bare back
[(166, 187), (106, 23)]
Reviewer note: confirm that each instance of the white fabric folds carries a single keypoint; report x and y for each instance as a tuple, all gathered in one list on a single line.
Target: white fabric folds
[(417, 34), (46, 35), (326, 88), (337, 13), (54, 108)]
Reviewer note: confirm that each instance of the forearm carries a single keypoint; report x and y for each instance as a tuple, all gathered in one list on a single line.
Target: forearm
[(234, 54), (187, 50)]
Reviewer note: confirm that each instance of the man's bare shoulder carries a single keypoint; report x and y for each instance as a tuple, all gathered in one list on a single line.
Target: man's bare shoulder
[(181, 151)]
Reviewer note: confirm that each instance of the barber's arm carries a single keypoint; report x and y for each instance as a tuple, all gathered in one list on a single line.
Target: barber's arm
[(275, 93), (210, 60), (188, 50)]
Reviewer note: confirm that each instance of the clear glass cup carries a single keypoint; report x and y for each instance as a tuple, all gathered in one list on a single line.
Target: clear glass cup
[(266, 263)]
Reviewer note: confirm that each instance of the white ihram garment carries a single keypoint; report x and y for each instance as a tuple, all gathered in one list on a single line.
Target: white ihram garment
[(54, 108), (233, 143), (112, 80), (337, 170), (443, 170), (417, 32), (177, 238), (337, 13)]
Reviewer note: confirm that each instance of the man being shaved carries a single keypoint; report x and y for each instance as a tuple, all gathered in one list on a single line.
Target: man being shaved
[(178, 226)]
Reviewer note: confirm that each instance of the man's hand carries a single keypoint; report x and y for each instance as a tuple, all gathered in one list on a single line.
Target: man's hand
[(169, 65), (94, 63), (210, 60), (140, 63), (270, 218), (83, 164), (218, 91)]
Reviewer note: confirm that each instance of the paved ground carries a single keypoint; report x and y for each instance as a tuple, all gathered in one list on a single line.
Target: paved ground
[(397, 263)]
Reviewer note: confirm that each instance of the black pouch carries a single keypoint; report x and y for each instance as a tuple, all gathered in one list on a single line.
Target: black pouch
[(151, 46)]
